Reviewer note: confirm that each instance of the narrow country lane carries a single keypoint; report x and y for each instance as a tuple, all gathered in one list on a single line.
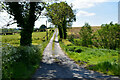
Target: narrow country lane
[(56, 65)]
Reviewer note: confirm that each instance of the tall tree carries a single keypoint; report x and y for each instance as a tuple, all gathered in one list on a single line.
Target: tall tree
[(61, 14), (25, 13)]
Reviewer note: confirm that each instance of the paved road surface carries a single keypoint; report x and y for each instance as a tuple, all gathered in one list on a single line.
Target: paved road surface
[(56, 65)]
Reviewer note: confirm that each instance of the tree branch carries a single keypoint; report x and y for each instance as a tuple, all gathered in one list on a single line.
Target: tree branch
[(11, 23), (16, 9), (37, 17)]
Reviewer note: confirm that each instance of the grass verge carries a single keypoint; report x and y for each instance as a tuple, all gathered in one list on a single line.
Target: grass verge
[(101, 60)]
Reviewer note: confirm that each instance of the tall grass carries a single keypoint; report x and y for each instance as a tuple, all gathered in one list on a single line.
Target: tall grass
[(102, 60)]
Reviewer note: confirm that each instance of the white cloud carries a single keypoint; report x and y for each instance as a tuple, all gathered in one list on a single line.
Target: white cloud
[(4, 20), (92, 1), (80, 4), (84, 13)]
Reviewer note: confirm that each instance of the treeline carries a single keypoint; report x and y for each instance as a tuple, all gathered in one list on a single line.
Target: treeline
[(106, 37), (6, 31), (11, 31)]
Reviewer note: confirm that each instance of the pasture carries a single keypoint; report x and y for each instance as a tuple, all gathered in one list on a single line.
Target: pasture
[(37, 38)]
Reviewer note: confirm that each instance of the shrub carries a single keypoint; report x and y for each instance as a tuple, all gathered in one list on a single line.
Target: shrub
[(16, 60), (71, 48), (70, 45), (109, 36), (71, 38), (86, 35), (78, 50), (77, 42)]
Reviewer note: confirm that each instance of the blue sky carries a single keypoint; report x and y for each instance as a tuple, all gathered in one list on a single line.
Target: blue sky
[(95, 12)]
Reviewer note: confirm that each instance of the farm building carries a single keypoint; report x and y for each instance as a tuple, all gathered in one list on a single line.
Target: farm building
[(43, 28)]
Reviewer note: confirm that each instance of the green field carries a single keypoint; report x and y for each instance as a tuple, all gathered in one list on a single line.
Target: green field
[(14, 40)]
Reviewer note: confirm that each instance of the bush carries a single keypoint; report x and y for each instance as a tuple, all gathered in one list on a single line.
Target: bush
[(18, 61), (70, 45), (78, 42), (30, 54), (78, 50), (71, 38), (52, 30), (71, 48), (86, 35), (108, 36)]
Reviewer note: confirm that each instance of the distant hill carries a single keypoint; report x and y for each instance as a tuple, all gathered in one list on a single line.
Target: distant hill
[(76, 30)]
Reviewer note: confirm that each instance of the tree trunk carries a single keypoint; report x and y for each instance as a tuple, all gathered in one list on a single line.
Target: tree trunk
[(60, 32), (26, 33), (27, 23), (65, 34), (26, 37), (64, 28)]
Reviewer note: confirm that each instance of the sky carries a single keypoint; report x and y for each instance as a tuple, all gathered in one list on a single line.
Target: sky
[(95, 13), (119, 13)]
